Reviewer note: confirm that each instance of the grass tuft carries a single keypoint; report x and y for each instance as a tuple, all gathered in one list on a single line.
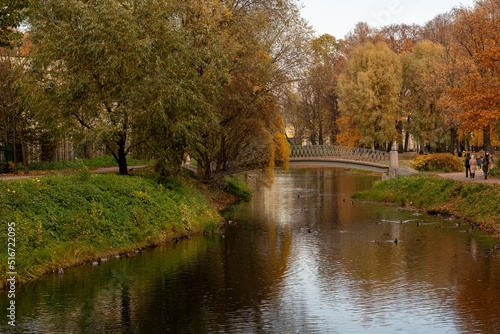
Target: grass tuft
[(236, 185)]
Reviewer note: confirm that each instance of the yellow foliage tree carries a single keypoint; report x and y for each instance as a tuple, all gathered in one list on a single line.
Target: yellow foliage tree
[(369, 90)]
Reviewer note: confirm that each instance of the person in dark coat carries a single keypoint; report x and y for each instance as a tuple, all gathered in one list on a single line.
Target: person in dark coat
[(486, 165), (467, 165)]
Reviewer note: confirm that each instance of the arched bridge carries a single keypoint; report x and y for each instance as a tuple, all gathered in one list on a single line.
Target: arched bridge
[(348, 157)]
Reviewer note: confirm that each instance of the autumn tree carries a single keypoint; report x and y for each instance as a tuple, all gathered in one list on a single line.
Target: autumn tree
[(369, 91), (263, 41), (318, 94), (439, 30), (401, 38), (454, 67), (361, 34), (477, 31), (424, 83)]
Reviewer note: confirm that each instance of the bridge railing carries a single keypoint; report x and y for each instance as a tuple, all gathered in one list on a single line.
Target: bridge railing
[(340, 152)]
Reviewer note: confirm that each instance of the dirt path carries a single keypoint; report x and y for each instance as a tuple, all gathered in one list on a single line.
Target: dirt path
[(7, 177), (479, 177)]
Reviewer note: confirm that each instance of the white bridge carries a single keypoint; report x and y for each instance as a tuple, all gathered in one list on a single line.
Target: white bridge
[(383, 162)]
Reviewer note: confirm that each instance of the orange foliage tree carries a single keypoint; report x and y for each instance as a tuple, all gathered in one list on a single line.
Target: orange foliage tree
[(477, 31)]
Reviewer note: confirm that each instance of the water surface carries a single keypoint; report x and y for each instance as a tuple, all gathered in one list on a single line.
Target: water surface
[(300, 257)]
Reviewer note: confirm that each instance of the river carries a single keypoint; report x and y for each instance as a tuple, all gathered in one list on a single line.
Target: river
[(300, 257)]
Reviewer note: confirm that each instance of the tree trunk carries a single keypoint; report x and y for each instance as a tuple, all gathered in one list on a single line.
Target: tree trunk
[(122, 156), (208, 172), (204, 169), (24, 152), (407, 135), (122, 161), (487, 138), (453, 140), (314, 130), (320, 130), (407, 139), (399, 128), (14, 146)]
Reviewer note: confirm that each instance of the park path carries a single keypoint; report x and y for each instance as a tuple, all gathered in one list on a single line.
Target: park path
[(479, 177), (7, 177)]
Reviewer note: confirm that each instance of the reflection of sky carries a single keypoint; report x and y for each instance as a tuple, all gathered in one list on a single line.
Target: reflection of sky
[(321, 291), (339, 304)]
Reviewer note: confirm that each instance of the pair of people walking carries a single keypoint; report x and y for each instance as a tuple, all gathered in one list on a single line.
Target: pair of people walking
[(474, 164)]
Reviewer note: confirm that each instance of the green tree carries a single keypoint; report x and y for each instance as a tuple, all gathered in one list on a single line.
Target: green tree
[(108, 70), (12, 15), (87, 58), (202, 77), (187, 69), (369, 90), (17, 125)]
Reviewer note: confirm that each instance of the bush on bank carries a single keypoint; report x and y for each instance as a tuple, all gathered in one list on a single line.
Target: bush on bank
[(475, 202), (442, 162), (67, 220)]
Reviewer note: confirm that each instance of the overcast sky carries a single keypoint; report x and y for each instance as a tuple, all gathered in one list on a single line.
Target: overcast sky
[(338, 17)]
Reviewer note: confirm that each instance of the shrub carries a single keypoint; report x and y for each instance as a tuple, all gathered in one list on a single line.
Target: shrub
[(6, 167), (83, 172), (439, 162)]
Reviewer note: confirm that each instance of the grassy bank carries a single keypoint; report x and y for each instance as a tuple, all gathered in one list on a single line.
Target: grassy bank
[(475, 202), (67, 220)]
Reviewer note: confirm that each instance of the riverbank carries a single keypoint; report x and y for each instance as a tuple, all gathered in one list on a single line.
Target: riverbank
[(474, 202), (62, 221)]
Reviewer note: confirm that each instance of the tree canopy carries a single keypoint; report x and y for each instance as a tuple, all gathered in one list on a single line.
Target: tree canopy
[(12, 15), (222, 80), (424, 85), (477, 31), (202, 77), (369, 91)]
